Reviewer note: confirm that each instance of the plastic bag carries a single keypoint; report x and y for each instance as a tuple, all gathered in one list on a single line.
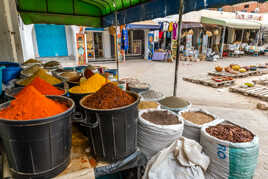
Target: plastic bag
[(182, 159), (152, 138), (230, 160), (191, 130)]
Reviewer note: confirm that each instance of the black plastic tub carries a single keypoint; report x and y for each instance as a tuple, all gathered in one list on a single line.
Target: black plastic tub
[(76, 97), (13, 92), (112, 132), (38, 148)]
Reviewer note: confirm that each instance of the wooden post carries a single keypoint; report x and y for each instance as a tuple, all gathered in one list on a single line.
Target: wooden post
[(178, 48), (116, 47), (222, 40)]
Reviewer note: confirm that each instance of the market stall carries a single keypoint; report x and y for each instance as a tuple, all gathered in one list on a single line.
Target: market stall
[(231, 25)]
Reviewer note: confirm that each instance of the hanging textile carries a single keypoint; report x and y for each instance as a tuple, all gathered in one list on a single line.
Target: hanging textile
[(165, 26), (161, 26), (168, 35), (161, 33), (174, 33), (124, 39), (156, 35), (170, 27)]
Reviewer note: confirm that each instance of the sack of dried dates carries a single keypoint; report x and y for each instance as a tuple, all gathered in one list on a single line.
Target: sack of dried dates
[(233, 150), (194, 120), (158, 128)]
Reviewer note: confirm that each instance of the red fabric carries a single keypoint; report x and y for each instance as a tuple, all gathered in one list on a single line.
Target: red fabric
[(161, 33)]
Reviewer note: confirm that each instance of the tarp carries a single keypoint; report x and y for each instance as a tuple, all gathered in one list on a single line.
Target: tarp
[(232, 23), (100, 13)]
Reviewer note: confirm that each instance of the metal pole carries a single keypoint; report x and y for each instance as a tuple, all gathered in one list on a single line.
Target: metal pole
[(178, 48), (222, 40), (116, 46)]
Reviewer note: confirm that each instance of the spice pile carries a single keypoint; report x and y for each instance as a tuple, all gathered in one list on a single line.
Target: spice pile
[(70, 76), (41, 73), (199, 118), (230, 133), (31, 104), (91, 85), (147, 105), (174, 102), (30, 61), (44, 87), (139, 85), (51, 64), (31, 70), (108, 97), (161, 117), (151, 94)]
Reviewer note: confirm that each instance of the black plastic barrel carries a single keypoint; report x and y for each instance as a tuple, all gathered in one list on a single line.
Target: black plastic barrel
[(38, 148), (76, 97), (112, 132), (12, 93)]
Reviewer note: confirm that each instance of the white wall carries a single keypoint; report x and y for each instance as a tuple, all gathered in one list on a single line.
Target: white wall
[(27, 41), (106, 44)]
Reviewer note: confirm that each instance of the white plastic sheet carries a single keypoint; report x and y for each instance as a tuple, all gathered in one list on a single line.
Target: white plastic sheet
[(183, 159)]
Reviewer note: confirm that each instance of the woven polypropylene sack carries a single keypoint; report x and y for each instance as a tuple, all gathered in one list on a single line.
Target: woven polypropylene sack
[(191, 130), (230, 160), (152, 137)]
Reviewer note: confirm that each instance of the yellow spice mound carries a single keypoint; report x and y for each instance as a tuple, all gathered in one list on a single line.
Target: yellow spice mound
[(41, 73), (91, 85)]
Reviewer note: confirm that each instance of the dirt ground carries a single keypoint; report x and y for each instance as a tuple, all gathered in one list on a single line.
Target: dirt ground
[(229, 106)]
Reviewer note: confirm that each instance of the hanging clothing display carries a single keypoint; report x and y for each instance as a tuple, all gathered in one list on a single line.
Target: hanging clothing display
[(161, 26), (174, 33), (170, 27), (165, 26), (156, 35), (161, 34), (168, 35), (124, 39)]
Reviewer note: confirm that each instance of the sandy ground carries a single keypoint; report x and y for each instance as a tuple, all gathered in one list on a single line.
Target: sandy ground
[(229, 106)]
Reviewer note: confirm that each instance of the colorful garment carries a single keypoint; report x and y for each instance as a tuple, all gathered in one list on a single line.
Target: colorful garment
[(174, 33), (170, 27)]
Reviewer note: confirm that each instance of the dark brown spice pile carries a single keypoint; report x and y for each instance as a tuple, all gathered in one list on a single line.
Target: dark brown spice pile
[(108, 97), (161, 117), (230, 133)]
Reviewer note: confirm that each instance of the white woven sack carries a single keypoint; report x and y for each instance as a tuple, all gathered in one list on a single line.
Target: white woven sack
[(230, 160), (191, 130), (152, 137)]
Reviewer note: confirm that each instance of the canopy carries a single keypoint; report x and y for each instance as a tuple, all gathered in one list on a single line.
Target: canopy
[(151, 25), (232, 23), (100, 13)]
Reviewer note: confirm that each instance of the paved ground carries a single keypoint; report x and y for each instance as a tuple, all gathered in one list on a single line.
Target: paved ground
[(229, 106)]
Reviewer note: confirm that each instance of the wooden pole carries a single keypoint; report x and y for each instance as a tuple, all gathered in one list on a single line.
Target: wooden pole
[(222, 41), (178, 48), (116, 47)]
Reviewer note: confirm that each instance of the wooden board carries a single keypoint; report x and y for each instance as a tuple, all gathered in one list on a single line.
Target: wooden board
[(239, 75), (257, 91), (207, 81)]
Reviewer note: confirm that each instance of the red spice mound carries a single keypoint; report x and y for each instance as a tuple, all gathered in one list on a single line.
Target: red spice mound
[(45, 88), (108, 97), (31, 104), (230, 133)]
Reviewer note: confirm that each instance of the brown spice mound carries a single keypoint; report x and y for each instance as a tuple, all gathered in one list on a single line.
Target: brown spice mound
[(197, 117), (148, 105), (161, 118), (230, 133), (108, 97)]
